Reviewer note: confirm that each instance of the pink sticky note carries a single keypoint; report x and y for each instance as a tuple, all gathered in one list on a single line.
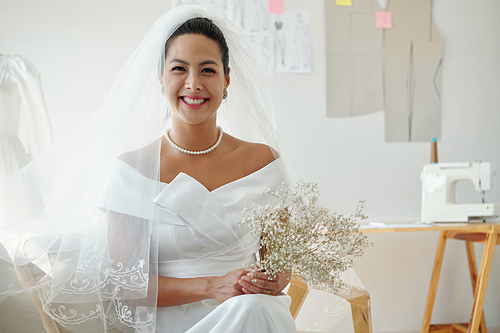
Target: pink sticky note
[(383, 20), (276, 6)]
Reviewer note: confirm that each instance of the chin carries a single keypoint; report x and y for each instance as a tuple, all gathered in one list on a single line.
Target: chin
[(194, 120)]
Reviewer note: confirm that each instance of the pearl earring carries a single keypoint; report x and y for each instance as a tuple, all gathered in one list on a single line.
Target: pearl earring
[(224, 94)]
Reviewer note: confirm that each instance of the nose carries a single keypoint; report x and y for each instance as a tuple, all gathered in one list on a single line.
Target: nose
[(193, 82)]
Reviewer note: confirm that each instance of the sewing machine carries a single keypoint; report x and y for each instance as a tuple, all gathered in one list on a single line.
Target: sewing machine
[(438, 192)]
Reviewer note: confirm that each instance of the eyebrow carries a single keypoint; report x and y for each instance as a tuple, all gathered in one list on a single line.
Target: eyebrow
[(206, 62)]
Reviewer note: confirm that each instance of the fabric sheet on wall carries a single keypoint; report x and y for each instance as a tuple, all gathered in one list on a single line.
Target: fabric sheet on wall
[(413, 57), (354, 59)]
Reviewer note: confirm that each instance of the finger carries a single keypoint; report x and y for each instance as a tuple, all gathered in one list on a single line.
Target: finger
[(258, 286), (261, 275), (252, 289), (252, 279), (266, 283), (271, 277), (246, 291), (262, 291)]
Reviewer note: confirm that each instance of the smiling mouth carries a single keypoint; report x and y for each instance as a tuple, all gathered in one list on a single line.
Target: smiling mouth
[(193, 101)]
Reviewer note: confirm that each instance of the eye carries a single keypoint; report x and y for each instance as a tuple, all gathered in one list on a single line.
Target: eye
[(208, 70), (178, 69)]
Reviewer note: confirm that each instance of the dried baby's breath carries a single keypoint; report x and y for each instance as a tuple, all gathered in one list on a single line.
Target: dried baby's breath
[(298, 235)]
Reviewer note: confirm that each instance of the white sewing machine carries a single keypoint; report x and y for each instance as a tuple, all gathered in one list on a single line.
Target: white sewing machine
[(438, 192)]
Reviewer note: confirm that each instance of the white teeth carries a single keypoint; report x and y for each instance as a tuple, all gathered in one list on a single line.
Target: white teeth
[(191, 101)]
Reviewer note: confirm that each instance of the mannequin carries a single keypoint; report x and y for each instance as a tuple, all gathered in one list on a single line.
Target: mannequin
[(21, 95)]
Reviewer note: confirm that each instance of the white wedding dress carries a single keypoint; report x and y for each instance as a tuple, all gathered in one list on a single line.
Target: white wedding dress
[(199, 236)]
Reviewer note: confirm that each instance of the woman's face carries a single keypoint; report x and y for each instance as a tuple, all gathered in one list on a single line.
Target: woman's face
[(194, 78)]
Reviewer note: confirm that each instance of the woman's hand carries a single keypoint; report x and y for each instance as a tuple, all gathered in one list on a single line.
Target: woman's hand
[(224, 287), (175, 291), (256, 282)]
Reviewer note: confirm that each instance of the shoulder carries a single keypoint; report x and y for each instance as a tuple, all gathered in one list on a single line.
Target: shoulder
[(254, 155), (261, 153)]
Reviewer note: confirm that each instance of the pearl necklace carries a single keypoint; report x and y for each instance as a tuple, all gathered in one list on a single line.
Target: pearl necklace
[(194, 152)]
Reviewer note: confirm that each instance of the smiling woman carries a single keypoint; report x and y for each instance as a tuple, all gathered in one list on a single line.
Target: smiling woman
[(194, 79), (198, 156), (138, 235)]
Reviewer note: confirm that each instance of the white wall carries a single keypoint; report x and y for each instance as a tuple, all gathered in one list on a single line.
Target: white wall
[(79, 46)]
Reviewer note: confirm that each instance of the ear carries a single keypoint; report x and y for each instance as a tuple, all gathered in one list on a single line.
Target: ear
[(228, 79)]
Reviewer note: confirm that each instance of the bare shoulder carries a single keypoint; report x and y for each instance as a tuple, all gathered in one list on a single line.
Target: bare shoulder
[(254, 155), (261, 153)]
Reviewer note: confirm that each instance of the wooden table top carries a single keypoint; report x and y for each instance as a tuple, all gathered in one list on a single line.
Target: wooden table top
[(380, 227)]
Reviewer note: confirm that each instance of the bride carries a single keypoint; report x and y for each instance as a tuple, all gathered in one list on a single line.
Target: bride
[(198, 160), (140, 228)]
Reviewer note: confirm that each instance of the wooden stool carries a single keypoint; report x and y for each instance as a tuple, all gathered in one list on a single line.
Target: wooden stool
[(358, 298), (479, 282)]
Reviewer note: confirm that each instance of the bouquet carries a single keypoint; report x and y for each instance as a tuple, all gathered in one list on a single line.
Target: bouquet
[(298, 235)]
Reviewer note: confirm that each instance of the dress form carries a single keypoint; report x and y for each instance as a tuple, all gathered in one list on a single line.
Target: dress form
[(21, 95)]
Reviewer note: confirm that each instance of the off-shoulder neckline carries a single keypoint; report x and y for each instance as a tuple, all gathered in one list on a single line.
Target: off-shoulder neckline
[(268, 165)]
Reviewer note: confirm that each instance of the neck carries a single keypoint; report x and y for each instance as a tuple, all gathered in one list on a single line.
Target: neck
[(194, 137)]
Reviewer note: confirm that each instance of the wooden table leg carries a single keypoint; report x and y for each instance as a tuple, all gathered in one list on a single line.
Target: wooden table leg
[(482, 282), (434, 282), (471, 259)]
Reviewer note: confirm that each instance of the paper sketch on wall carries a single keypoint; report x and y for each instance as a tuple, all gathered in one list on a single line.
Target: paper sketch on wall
[(354, 59), (263, 51), (254, 20), (218, 6), (413, 58), (251, 16), (292, 42)]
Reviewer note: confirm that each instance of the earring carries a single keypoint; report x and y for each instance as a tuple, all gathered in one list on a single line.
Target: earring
[(163, 89), (224, 94)]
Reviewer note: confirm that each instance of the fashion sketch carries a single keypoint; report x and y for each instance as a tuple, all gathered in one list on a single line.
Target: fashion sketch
[(279, 42), (301, 44), (217, 6), (263, 51), (292, 42), (260, 20)]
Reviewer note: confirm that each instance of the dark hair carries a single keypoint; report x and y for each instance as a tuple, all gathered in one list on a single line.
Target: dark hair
[(205, 27)]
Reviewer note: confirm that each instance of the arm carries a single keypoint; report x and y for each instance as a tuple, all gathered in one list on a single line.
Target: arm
[(124, 230), (178, 291)]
